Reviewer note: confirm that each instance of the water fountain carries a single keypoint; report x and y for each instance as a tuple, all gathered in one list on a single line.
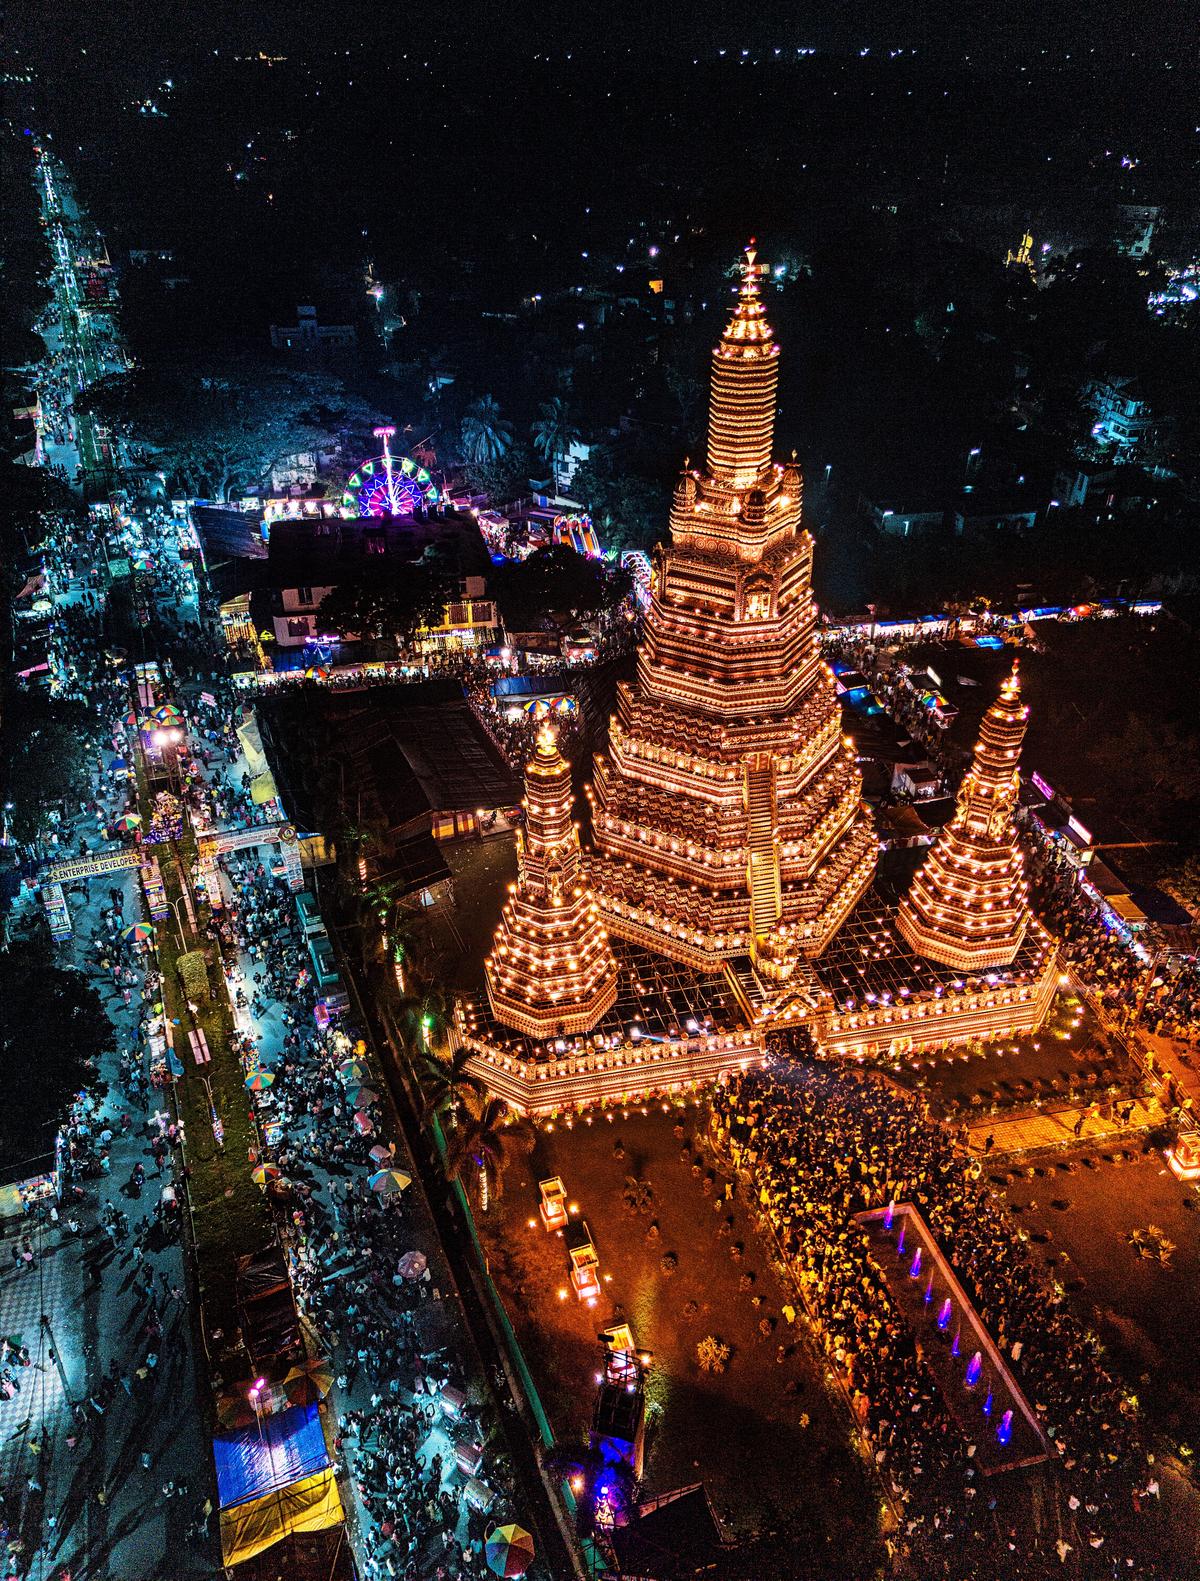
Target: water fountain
[(974, 1370), (929, 1289), (900, 1243), (944, 1315), (915, 1271), (957, 1337), (987, 1404), (889, 1215), (1004, 1428)]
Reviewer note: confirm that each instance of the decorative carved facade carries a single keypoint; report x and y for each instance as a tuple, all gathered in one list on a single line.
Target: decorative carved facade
[(550, 972), (728, 818), (968, 904)]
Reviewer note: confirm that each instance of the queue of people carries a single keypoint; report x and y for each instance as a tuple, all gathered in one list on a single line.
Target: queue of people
[(821, 1143)]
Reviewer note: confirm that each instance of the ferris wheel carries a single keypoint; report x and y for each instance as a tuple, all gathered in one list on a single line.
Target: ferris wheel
[(388, 485)]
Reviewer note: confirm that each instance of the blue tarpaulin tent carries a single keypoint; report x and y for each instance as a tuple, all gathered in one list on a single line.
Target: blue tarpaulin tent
[(274, 1453)]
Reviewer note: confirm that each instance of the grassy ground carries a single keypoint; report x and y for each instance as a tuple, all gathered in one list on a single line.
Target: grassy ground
[(1069, 1054), (1144, 1310), (461, 935), (770, 1447)]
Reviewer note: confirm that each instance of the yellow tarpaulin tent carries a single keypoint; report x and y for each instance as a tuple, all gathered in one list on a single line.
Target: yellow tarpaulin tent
[(310, 1505), (262, 789)]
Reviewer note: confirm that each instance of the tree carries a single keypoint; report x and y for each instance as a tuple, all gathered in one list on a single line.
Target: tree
[(629, 510), (503, 479), (486, 435), (554, 432), (556, 580), (221, 429), (479, 1145), (44, 758), (53, 1030), (394, 602), (712, 1355), (446, 1083)]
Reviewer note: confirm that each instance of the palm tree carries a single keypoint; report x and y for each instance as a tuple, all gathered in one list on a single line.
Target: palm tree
[(445, 1083), (480, 1144), (422, 1015), (554, 432), (486, 435)]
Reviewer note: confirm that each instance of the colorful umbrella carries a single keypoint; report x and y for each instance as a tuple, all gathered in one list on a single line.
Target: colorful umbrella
[(308, 1383), (131, 718), (363, 1123), (137, 932), (259, 1079), (141, 562), (364, 1097), (412, 1265), (316, 672), (128, 821), (168, 714), (351, 1070), (379, 1152), (118, 766), (264, 1174), (389, 1182), (509, 1550)]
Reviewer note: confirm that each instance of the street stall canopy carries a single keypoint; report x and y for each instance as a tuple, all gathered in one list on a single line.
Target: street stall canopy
[(311, 1505), (274, 1452)]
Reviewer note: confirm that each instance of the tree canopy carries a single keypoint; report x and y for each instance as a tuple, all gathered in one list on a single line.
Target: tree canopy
[(556, 581), (392, 603), (222, 428), (52, 1030), (44, 758)]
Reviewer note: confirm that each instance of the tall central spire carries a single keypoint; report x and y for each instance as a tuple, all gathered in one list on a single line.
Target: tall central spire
[(745, 378)]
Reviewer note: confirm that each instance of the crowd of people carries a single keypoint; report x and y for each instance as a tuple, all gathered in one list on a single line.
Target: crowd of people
[(357, 1268), (822, 1143)]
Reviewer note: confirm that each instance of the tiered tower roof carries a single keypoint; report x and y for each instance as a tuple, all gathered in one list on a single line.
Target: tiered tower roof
[(550, 971), (968, 904), (728, 814)]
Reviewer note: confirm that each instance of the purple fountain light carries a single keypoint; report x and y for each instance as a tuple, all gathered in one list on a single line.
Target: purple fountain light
[(889, 1215), (1004, 1428), (987, 1404), (915, 1271), (974, 1370), (957, 1337), (929, 1289), (900, 1243), (944, 1315)]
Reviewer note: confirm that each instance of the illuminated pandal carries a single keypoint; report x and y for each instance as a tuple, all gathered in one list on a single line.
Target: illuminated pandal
[(550, 971), (728, 818)]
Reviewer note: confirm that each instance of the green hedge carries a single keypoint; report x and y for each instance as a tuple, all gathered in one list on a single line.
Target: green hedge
[(193, 974)]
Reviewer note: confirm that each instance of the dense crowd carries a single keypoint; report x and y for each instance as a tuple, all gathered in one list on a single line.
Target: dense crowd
[(822, 1144), (351, 1253)]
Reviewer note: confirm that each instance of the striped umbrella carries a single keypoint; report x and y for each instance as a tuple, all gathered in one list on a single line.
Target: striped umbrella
[(389, 1182), (351, 1070), (259, 1079), (509, 1550), (364, 1097), (316, 672), (130, 718), (137, 933), (128, 821), (264, 1174), (168, 714)]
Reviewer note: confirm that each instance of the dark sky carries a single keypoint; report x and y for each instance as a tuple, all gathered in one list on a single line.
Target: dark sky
[(133, 29)]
